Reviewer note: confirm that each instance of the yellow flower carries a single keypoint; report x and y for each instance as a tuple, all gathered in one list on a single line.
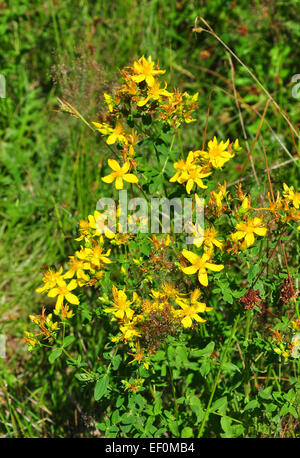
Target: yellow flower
[(76, 267), (179, 166), (246, 204), (247, 229), (30, 339), (117, 134), (208, 237), (144, 71), (191, 173), (84, 230), (119, 174), (121, 306), (291, 195), (200, 264), (129, 331), (236, 145), (99, 221), (217, 153), (194, 176), (94, 256), (154, 93), (296, 324), (63, 291), (51, 279), (190, 309), (219, 196), (65, 312), (109, 101)]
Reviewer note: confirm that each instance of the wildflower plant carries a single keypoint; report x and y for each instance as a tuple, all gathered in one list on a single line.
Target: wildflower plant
[(150, 291)]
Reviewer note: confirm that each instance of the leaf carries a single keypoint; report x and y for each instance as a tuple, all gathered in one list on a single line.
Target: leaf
[(205, 352), (230, 367), (187, 432), (120, 401), (157, 406), (205, 367), (196, 407), (68, 340), (173, 427), (101, 387), (253, 272), (266, 393), (251, 405), (115, 418), (83, 377), (270, 407), (293, 411), (55, 354), (219, 403), (116, 362), (226, 425)]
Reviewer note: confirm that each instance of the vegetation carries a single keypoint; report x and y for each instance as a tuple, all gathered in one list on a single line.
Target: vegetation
[(142, 335)]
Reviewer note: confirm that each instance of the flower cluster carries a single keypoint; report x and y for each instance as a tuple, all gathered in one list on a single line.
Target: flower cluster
[(150, 288)]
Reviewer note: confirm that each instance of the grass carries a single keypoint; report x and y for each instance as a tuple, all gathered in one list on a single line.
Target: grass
[(50, 164)]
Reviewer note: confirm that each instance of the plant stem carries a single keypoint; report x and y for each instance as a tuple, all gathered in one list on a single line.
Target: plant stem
[(173, 389), (247, 365), (207, 413)]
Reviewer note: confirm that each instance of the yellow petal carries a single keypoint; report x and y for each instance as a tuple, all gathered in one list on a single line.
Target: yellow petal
[(260, 231), (189, 270), (130, 178), (126, 167), (202, 277), (109, 178), (119, 183), (72, 285), (190, 256), (72, 298), (186, 322), (53, 292), (249, 239), (114, 165), (189, 185), (214, 267)]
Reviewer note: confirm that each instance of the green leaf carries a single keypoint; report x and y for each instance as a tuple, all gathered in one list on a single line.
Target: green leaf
[(252, 405), (173, 427), (116, 362), (187, 432), (293, 411), (205, 367), (68, 340), (157, 406), (83, 377), (204, 352), (101, 387), (120, 401), (196, 407), (219, 403), (266, 393), (115, 418), (55, 354), (230, 367)]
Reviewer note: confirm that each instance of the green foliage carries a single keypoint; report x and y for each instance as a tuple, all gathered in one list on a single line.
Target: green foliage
[(50, 169)]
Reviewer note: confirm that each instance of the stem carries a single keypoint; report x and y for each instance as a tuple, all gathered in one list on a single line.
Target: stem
[(207, 413), (73, 360), (173, 389), (247, 366)]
